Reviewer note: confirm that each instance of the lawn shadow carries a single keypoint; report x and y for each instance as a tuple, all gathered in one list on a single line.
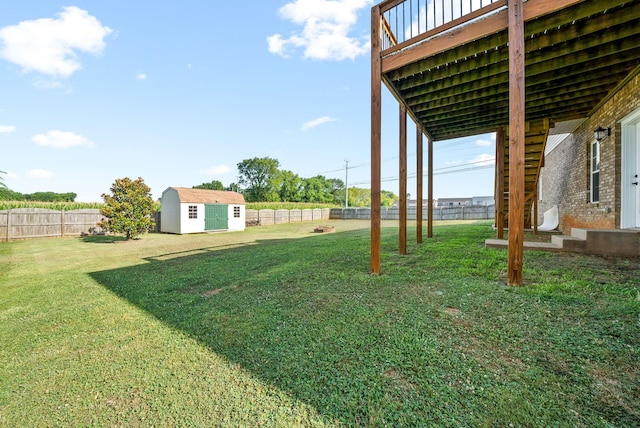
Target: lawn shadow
[(286, 310), (103, 239), (401, 349)]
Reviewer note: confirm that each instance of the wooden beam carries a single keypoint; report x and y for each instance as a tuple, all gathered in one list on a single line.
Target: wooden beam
[(376, 139), (430, 187), (419, 182), (402, 235), (516, 142), (499, 192), (466, 34)]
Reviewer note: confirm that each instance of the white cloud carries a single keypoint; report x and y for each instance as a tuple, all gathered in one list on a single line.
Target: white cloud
[(40, 173), (484, 159), (218, 170), (46, 84), (317, 122), (482, 142), (325, 33), (61, 140), (141, 76), (7, 129), (50, 45)]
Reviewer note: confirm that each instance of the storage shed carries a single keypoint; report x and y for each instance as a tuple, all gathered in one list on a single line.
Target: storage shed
[(187, 210)]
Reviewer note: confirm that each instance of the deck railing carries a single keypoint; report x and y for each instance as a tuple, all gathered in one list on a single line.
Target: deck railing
[(406, 20)]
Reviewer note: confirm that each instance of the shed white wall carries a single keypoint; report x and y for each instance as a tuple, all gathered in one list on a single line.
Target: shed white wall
[(191, 225), (170, 212), (237, 223)]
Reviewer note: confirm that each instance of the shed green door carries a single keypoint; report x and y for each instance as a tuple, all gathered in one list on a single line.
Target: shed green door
[(216, 217)]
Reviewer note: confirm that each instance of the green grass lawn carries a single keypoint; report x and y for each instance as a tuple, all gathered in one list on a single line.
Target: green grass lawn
[(279, 326)]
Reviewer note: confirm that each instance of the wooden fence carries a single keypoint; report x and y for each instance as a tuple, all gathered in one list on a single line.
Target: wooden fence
[(472, 212), (267, 217), (23, 223)]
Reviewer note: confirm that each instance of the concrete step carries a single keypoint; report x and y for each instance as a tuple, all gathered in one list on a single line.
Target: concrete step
[(530, 246), (569, 243), (616, 242)]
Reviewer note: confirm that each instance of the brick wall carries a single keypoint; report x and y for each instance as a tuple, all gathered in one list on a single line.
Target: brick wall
[(565, 179)]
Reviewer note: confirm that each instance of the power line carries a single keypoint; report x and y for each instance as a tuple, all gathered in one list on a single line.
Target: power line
[(440, 172)]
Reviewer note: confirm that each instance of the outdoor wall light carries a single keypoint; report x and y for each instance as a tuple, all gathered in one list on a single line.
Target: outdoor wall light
[(600, 133)]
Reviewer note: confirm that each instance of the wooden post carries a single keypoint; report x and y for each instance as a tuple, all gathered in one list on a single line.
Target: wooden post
[(419, 181), (535, 212), (430, 187), (402, 236), (499, 202), (516, 142), (376, 119), (62, 223), (8, 225)]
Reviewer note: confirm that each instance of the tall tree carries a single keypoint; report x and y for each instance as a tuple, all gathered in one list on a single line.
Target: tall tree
[(387, 198), (322, 189), (359, 197), (336, 187), (214, 185), (129, 208), (289, 186), (257, 175)]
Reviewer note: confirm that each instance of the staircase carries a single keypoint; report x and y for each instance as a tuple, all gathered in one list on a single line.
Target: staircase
[(536, 133)]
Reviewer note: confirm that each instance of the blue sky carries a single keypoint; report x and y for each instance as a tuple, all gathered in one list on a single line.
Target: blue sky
[(179, 94)]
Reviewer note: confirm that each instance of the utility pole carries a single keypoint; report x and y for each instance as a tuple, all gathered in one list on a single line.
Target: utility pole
[(346, 184)]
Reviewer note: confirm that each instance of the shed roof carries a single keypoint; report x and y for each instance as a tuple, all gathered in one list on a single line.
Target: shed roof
[(204, 196)]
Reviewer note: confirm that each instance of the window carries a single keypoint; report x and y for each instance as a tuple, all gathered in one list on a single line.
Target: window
[(193, 211), (236, 212), (595, 172)]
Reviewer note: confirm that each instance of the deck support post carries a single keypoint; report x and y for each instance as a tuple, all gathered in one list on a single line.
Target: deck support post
[(402, 168), (419, 181), (534, 223), (516, 142), (376, 119), (499, 192), (430, 187)]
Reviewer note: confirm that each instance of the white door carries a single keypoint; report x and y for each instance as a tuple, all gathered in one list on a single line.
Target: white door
[(630, 214), (635, 179)]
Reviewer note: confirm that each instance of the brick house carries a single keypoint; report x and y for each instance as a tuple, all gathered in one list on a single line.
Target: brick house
[(594, 183)]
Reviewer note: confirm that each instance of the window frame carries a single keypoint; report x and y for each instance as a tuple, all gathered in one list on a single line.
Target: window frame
[(192, 212), (236, 211), (594, 171)]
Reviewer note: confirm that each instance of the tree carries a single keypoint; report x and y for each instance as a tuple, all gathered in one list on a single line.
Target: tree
[(322, 189), (359, 197), (129, 208), (289, 186), (258, 175), (388, 198), (2, 183), (51, 197), (214, 185)]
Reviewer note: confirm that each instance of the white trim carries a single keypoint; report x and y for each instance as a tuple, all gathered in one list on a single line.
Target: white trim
[(630, 162), (593, 170)]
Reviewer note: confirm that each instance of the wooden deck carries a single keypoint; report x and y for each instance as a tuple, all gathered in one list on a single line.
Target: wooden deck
[(465, 68)]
